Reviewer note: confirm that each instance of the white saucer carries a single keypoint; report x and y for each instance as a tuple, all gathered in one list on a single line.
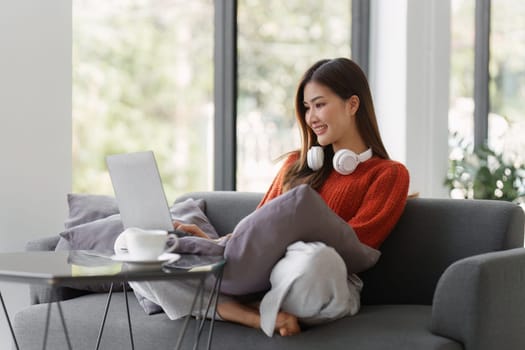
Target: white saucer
[(127, 258)]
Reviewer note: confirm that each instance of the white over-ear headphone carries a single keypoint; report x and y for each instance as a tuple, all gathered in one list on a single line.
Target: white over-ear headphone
[(344, 162)]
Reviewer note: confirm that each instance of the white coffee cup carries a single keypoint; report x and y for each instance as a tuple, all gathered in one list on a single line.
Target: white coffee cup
[(147, 244)]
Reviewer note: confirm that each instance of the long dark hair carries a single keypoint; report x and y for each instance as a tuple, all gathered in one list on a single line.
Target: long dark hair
[(345, 78)]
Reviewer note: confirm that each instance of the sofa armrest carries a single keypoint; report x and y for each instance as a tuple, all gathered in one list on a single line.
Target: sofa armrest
[(480, 301), (39, 294)]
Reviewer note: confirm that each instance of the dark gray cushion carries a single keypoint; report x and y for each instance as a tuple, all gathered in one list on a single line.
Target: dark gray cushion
[(261, 239)]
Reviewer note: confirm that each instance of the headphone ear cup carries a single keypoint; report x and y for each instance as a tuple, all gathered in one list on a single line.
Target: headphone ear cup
[(315, 158), (345, 161)]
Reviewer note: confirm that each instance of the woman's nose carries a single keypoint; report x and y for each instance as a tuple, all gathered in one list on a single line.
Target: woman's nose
[(310, 116)]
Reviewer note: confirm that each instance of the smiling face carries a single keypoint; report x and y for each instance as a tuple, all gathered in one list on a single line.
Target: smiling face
[(331, 118)]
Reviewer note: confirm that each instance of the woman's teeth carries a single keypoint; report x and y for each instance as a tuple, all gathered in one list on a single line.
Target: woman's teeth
[(320, 128)]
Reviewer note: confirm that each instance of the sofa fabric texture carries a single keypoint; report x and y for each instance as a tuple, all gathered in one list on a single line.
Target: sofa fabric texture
[(450, 276)]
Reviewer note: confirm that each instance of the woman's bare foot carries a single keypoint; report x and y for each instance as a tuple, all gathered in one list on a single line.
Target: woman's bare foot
[(286, 324)]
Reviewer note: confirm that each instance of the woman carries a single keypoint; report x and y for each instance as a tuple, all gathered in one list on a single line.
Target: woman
[(334, 109), (343, 158)]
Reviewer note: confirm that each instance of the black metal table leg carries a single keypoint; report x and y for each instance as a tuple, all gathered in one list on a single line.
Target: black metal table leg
[(101, 330), (129, 318), (9, 322), (183, 331), (66, 334), (48, 315), (217, 291), (200, 318), (213, 297)]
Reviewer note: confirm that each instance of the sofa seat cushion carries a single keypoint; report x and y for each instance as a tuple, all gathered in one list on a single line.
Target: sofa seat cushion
[(374, 327)]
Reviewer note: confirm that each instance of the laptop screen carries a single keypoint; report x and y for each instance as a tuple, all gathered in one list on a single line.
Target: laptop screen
[(139, 191)]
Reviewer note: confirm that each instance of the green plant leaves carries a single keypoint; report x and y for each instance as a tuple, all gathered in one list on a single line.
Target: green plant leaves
[(482, 173)]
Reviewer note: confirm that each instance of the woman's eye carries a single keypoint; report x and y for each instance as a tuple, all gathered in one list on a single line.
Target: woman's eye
[(319, 105)]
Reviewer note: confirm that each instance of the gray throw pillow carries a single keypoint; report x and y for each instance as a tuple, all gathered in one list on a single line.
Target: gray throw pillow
[(98, 235), (191, 211), (261, 239), (89, 207), (98, 225), (92, 225), (85, 208)]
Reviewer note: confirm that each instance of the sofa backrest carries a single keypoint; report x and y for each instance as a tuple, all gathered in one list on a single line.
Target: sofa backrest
[(225, 209), (430, 235)]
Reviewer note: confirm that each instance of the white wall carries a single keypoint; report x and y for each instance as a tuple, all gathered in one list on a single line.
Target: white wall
[(35, 129), (409, 77), (387, 74)]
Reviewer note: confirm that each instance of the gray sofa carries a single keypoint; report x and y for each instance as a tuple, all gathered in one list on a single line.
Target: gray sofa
[(451, 276)]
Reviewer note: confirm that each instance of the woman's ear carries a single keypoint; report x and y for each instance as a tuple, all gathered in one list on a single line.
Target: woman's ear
[(353, 104)]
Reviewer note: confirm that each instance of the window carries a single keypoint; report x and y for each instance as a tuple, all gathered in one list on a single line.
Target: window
[(507, 79), (277, 42), (504, 122), (143, 79), (461, 112), (144, 71), (495, 109)]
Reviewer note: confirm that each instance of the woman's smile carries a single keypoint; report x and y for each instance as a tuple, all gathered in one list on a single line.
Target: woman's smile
[(320, 129)]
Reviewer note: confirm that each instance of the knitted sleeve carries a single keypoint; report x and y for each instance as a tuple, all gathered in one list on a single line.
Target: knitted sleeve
[(382, 205)]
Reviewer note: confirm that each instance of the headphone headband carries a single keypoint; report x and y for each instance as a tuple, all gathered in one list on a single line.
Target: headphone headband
[(344, 161), (366, 155)]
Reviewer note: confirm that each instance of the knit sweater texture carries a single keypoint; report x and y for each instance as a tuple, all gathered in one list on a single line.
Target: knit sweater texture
[(371, 199)]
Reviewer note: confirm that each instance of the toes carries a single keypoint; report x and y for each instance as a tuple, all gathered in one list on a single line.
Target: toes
[(287, 325)]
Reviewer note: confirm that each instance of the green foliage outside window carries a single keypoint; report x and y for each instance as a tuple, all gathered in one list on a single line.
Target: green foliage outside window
[(142, 80), (483, 173)]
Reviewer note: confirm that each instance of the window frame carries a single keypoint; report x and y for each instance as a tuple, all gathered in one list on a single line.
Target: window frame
[(481, 71), (225, 85), (225, 96)]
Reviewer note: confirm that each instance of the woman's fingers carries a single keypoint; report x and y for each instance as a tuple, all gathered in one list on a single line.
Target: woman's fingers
[(192, 229)]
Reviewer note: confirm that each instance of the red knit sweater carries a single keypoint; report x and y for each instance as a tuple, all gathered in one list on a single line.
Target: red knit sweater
[(371, 199)]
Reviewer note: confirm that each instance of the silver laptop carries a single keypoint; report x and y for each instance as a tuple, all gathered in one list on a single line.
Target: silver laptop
[(139, 191)]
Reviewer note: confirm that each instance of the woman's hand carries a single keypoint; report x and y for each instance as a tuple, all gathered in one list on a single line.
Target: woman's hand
[(191, 229)]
